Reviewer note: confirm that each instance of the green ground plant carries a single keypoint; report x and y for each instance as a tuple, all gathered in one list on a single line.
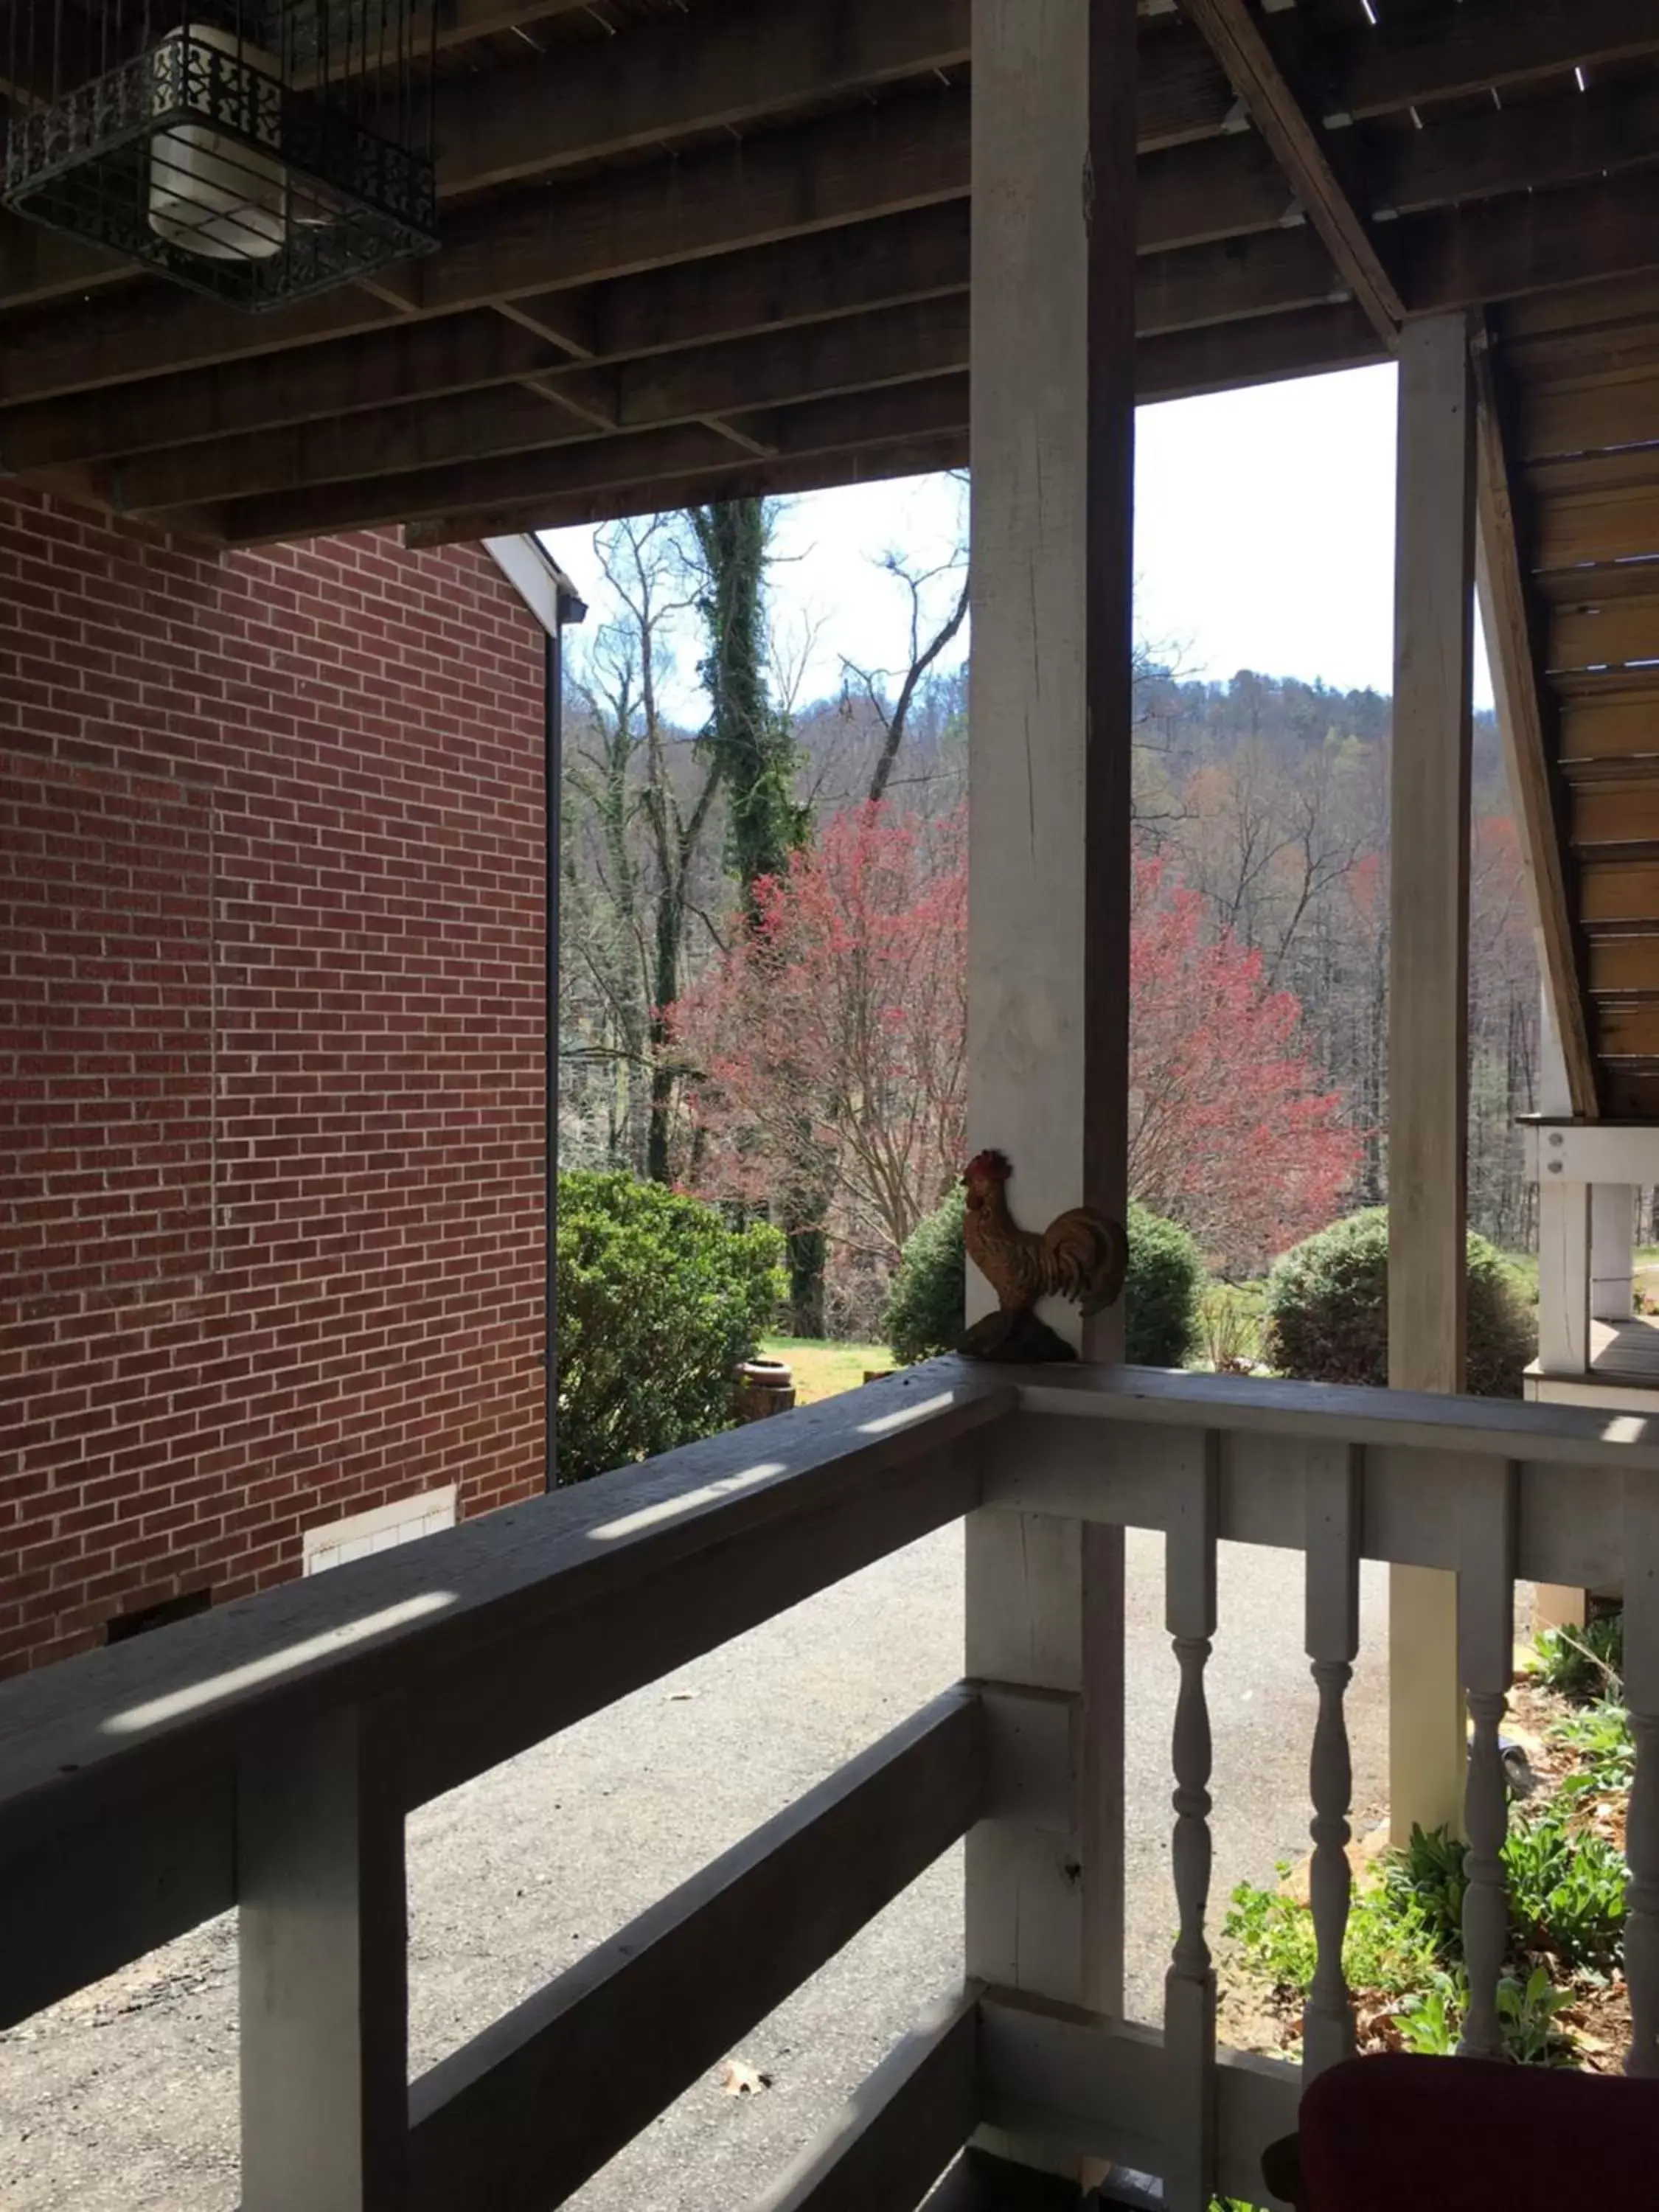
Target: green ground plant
[(1582, 1662), (1390, 1947), (1600, 1737), (1567, 1886), (1405, 1942)]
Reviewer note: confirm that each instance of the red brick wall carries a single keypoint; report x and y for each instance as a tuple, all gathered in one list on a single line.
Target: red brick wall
[(270, 1042)]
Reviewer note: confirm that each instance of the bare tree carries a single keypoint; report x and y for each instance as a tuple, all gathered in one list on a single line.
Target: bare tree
[(649, 791), (935, 618)]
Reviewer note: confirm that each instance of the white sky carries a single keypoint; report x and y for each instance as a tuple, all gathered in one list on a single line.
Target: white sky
[(1264, 540)]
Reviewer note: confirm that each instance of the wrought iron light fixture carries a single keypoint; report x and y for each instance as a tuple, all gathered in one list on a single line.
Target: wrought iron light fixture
[(257, 151)]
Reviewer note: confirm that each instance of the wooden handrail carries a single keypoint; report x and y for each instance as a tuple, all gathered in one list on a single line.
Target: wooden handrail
[(600, 2051), (118, 1771)]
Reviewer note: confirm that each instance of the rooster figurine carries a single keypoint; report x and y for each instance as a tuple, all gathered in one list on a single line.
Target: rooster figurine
[(1081, 1256)]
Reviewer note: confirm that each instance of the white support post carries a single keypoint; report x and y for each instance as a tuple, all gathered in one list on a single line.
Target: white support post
[(1642, 1821), (1564, 1277), (1564, 1331), (323, 2037), (1613, 1251), (1428, 1021), (1053, 358)]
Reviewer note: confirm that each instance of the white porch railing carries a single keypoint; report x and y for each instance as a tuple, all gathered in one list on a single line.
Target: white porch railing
[(268, 1755)]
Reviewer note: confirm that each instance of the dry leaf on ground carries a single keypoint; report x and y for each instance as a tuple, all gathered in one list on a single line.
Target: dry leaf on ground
[(742, 2080)]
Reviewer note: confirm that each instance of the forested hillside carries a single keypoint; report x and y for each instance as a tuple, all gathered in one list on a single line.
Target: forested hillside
[(789, 1039)]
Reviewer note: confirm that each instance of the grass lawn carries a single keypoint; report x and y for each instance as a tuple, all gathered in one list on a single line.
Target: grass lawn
[(824, 1369)]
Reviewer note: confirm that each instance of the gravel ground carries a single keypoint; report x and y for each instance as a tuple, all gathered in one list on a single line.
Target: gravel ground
[(124, 2097)]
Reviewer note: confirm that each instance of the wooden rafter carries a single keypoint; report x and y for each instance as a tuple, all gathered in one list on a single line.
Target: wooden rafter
[(1480, 46), (1528, 148), (1175, 367), (1547, 241), (1279, 272), (913, 256), (697, 231), (679, 80), (844, 168), (853, 353), (865, 431), (1236, 40), (683, 75), (1198, 194), (1524, 707), (639, 458)]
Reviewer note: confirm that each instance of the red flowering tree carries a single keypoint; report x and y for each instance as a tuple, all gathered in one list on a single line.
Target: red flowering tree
[(1229, 1130), (829, 1042)]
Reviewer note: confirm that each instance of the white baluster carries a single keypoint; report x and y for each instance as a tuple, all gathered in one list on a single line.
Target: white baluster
[(1642, 1821), (1189, 1987), (1486, 1644), (1332, 1540)]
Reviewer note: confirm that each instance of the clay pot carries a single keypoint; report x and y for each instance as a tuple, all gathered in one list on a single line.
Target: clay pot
[(765, 1386)]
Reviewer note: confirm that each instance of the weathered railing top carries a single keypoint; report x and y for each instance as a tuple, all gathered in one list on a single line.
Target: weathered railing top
[(413, 1615), (1338, 1413)]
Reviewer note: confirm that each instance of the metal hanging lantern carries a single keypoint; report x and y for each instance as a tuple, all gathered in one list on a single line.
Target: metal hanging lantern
[(257, 151)]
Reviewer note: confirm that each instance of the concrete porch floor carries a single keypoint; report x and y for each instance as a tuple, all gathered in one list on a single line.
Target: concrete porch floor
[(124, 2099)]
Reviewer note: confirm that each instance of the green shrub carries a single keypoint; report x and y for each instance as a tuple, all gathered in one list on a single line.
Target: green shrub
[(924, 1314), (659, 1301), (1327, 1311), (925, 1307), (1166, 1272)]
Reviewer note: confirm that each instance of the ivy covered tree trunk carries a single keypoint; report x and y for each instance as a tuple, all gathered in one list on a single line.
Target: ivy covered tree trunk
[(807, 1253), (748, 738), (754, 754)]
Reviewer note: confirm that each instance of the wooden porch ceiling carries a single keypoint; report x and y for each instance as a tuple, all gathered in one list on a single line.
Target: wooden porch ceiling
[(722, 245)]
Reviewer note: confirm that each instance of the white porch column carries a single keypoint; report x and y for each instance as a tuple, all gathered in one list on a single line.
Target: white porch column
[(1613, 1251), (1428, 1022), (1053, 356)]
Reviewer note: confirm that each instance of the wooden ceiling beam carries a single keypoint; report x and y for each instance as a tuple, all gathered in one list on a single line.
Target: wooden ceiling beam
[(660, 83), (1533, 146), (704, 71), (576, 471), (1479, 45), (1239, 279), (37, 264), (460, 22), (1228, 187), (1233, 281), (1304, 343), (917, 255), (1267, 349), (1547, 241), (768, 479), (1234, 35), (672, 79), (844, 168), (892, 345)]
